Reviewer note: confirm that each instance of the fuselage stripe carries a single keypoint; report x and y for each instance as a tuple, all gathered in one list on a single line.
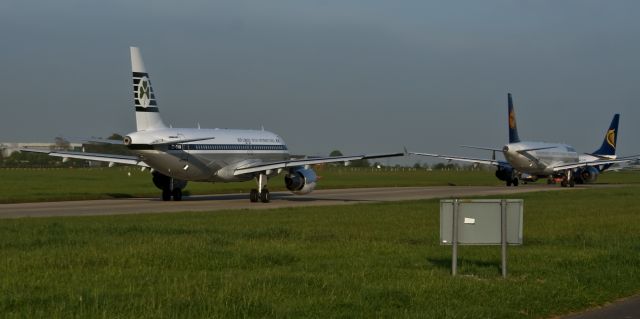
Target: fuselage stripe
[(227, 147)]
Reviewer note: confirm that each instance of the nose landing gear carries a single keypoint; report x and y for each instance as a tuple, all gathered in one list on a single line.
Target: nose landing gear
[(568, 180), (262, 193)]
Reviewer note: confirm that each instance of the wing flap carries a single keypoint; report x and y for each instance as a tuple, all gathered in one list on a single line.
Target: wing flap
[(586, 164), (482, 148), (260, 167), (463, 159)]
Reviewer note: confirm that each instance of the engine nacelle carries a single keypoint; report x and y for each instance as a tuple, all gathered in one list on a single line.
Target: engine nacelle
[(504, 173), (162, 181), (586, 175), (301, 181), (528, 177)]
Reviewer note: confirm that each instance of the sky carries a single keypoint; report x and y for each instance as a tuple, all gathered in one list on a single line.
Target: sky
[(361, 76)]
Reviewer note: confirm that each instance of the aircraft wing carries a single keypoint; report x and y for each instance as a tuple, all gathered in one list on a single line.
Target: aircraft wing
[(264, 166), (588, 163), (111, 158), (464, 159)]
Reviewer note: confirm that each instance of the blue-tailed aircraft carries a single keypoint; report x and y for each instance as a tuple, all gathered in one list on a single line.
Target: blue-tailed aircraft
[(529, 161)]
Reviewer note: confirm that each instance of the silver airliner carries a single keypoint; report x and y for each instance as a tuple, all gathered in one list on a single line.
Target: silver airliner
[(178, 155), (529, 161)]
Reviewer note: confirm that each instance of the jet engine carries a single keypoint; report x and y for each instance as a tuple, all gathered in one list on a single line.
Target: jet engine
[(504, 173), (528, 177), (586, 175), (301, 181)]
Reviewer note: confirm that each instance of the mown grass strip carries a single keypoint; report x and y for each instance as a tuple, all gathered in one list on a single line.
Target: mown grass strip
[(367, 260)]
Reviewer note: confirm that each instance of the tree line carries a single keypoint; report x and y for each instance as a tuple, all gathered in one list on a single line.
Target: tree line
[(39, 160)]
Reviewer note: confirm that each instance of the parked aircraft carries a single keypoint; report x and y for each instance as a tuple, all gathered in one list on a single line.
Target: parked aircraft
[(529, 161), (178, 155)]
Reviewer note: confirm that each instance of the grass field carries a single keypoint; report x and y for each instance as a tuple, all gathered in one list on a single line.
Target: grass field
[(367, 260), (22, 185), (28, 185)]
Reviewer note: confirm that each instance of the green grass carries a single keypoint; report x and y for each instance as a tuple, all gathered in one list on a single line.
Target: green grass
[(29, 185), (367, 260)]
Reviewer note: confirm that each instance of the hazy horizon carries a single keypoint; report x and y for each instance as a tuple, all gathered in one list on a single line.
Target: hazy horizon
[(358, 76)]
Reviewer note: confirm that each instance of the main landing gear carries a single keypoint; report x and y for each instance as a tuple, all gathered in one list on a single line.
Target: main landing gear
[(514, 181), (170, 187), (568, 180), (262, 193)]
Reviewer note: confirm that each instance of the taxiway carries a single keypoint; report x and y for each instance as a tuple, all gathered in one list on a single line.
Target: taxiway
[(240, 201)]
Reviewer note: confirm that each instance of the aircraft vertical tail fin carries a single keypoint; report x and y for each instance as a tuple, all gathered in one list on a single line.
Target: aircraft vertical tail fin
[(608, 146), (513, 128), (144, 99)]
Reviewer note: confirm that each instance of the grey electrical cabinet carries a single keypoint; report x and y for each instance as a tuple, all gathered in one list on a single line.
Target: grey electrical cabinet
[(479, 221)]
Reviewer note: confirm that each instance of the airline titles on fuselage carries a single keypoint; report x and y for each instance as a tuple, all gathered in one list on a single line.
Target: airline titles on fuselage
[(257, 140)]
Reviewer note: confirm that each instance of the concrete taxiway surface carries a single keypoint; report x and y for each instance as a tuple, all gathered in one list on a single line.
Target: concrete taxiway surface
[(623, 309), (241, 201)]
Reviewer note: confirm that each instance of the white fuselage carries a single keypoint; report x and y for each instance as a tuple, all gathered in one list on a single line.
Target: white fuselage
[(214, 159), (541, 161)]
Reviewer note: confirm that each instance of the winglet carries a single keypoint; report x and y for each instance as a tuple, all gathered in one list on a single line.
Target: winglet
[(608, 146)]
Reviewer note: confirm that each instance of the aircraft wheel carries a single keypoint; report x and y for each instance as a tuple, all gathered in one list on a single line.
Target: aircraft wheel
[(254, 196), (166, 194), (572, 183), (265, 197), (515, 182), (563, 183), (177, 194), (508, 183)]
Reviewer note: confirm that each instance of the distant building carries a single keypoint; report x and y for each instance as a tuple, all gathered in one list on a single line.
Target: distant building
[(8, 148)]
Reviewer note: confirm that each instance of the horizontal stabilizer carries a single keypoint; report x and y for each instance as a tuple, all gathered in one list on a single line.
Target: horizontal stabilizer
[(535, 149), (604, 157), (182, 141), (111, 158)]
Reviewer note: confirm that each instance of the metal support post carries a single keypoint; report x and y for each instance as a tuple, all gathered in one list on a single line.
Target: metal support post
[(454, 243), (503, 208)]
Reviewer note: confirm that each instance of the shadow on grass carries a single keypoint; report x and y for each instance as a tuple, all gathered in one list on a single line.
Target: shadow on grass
[(445, 263)]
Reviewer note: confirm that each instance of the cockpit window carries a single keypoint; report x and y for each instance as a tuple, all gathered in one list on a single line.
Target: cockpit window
[(570, 149)]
